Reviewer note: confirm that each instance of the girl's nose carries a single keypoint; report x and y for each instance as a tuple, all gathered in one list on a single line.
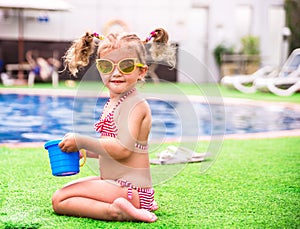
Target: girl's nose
[(116, 72)]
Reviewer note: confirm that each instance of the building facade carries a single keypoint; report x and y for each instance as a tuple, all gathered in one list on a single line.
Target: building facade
[(197, 26)]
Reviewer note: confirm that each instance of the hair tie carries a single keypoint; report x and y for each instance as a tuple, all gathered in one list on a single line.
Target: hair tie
[(152, 34), (100, 37)]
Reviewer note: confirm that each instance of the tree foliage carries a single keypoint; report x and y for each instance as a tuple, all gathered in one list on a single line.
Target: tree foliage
[(292, 8)]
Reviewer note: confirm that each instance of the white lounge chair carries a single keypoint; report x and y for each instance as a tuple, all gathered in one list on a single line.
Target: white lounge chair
[(285, 92), (244, 83), (286, 82), (282, 86), (264, 76)]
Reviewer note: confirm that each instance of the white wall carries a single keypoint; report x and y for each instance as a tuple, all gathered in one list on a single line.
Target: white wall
[(217, 22)]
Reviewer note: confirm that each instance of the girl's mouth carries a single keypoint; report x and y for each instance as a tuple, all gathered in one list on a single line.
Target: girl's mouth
[(117, 81)]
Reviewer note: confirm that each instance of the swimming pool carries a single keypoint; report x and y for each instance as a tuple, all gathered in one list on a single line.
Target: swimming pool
[(31, 118)]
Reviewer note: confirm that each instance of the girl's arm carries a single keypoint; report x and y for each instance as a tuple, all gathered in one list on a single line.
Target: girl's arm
[(106, 147), (92, 154), (132, 120)]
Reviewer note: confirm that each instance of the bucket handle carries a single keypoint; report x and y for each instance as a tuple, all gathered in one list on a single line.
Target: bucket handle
[(83, 153)]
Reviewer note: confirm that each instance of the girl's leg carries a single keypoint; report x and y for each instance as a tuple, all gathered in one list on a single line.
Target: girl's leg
[(83, 179), (99, 199)]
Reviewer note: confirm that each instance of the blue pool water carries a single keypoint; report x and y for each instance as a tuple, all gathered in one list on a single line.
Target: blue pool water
[(26, 118)]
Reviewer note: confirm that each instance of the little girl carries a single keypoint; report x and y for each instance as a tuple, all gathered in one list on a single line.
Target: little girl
[(124, 191)]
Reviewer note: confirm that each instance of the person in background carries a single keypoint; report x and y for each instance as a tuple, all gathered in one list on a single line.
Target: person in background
[(44, 68)]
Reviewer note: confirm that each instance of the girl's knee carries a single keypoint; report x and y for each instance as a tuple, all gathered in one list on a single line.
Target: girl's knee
[(56, 199)]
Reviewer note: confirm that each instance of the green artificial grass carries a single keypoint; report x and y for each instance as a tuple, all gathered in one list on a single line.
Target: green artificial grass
[(175, 88), (252, 184)]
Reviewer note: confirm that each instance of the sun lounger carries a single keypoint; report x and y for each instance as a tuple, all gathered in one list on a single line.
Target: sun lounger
[(285, 92), (244, 83), (286, 79), (265, 76), (282, 86)]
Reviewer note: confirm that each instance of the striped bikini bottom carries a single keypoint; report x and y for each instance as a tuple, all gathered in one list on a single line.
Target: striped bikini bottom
[(146, 194)]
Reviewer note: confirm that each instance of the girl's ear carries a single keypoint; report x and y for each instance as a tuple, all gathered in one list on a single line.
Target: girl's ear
[(143, 72)]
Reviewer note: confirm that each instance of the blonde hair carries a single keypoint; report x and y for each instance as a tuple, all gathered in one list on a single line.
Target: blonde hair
[(81, 50)]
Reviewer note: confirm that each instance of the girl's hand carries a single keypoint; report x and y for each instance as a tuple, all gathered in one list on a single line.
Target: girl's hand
[(68, 144)]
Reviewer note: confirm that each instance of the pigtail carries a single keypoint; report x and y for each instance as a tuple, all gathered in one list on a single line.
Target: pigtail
[(160, 36), (160, 49), (78, 55)]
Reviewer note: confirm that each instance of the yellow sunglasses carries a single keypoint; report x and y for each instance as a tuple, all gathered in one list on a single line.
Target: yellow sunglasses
[(126, 66)]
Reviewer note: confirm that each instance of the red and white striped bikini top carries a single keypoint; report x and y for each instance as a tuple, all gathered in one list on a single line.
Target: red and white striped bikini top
[(106, 126)]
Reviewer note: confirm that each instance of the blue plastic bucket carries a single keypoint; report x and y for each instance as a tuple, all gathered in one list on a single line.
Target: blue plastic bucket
[(62, 164)]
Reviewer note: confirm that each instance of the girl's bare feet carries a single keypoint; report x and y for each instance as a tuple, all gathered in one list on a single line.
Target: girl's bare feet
[(123, 210), (154, 206)]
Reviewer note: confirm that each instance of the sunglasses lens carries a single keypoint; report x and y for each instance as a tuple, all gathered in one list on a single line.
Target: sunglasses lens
[(104, 66), (127, 66)]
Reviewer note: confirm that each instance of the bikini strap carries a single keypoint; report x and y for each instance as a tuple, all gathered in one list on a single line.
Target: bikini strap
[(120, 100)]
